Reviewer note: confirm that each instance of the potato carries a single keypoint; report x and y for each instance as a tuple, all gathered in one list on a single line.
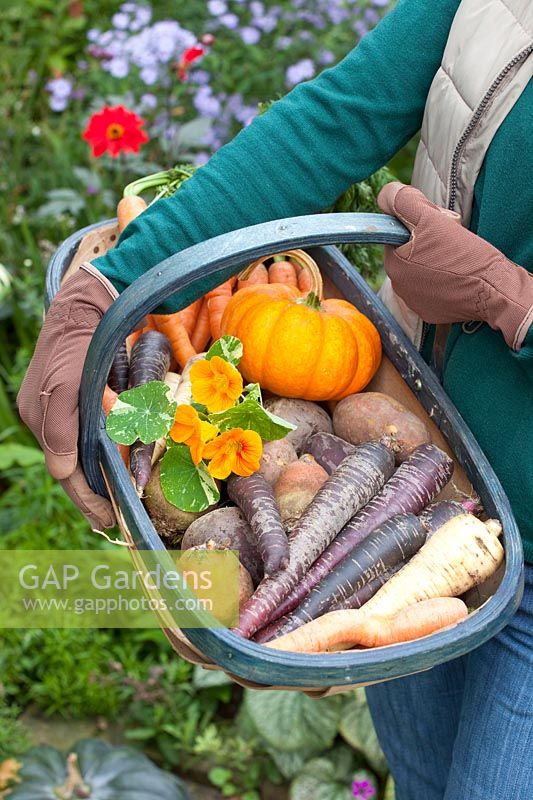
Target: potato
[(307, 416), (276, 456), (167, 519), (369, 415), (228, 529), (296, 487)]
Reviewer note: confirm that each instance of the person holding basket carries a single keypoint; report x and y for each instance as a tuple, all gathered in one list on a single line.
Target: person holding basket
[(461, 73)]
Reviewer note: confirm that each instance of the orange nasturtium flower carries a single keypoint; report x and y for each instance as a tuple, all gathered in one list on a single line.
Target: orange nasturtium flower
[(189, 429), (237, 451), (216, 384)]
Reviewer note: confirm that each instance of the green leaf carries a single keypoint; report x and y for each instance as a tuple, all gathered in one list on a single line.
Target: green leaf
[(250, 415), (22, 455), (186, 485), (319, 780), (207, 678), (358, 730), (390, 794), (227, 347), (144, 413), (291, 764), (253, 390), (219, 776), (291, 721)]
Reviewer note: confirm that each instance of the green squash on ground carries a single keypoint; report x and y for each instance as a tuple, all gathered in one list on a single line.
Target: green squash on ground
[(94, 770)]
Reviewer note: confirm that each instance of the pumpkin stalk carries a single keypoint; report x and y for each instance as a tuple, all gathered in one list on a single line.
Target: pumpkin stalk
[(74, 786)]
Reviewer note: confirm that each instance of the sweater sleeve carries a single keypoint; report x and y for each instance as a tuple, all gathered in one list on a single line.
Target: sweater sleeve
[(298, 157)]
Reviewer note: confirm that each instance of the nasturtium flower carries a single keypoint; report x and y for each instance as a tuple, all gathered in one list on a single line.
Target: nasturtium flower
[(237, 451), (189, 429), (216, 384), (114, 130), (190, 55)]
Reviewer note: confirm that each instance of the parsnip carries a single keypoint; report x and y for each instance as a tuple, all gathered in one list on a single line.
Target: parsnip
[(461, 554)]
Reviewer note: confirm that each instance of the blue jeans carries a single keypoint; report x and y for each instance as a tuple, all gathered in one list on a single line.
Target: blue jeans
[(464, 730)]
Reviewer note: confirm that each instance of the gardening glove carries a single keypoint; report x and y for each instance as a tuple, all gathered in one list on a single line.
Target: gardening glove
[(448, 274), (48, 398)]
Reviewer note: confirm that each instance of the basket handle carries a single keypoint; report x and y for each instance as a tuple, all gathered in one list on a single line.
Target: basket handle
[(193, 272)]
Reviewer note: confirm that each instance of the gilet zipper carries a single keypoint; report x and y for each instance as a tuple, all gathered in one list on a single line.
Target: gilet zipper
[(478, 113)]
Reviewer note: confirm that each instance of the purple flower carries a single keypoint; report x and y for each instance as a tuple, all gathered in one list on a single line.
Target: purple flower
[(326, 57), (93, 34), (250, 35), (229, 20), (149, 75), (266, 23), (118, 67), (217, 7), (361, 28), (91, 190), (257, 8), (380, 2), (142, 17), (199, 76), (205, 103), (120, 20), (362, 790), (371, 16), (283, 42), (201, 158), (338, 15), (58, 103), (300, 71), (60, 87), (306, 36), (148, 101)]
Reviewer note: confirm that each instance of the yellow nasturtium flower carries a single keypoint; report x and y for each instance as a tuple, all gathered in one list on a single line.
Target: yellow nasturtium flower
[(237, 451), (189, 429), (216, 384)]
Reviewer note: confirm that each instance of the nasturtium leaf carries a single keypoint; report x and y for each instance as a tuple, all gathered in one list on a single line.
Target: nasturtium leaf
[(22, 455), (250, 415), (291, 721), (186, 485), (144, 413), (357, 729), (227, 347), (253, 390)]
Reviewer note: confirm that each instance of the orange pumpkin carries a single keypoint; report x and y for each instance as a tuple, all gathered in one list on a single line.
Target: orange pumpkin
[(296, 346)]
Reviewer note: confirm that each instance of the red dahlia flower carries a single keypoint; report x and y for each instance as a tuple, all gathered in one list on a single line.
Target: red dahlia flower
[(115, 130)]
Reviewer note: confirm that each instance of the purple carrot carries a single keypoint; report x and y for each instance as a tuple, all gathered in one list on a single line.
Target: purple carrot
[(328, 450), (415, 483), (360, 597), (118, 377), (355, 481), (393, 542), (438, 514), (150, 360), (355, 600), (255, 498)]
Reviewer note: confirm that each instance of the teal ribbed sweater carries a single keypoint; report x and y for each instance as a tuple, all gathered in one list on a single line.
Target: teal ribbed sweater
[(339, 128)]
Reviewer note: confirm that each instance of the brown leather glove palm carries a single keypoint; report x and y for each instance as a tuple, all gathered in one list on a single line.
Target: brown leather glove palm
[(448, 274), (48, 398)]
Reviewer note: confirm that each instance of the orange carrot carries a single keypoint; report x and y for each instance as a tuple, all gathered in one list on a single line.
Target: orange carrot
[(343, 629), (189, 315), (128, 208), (174, 329), (217, 300), (108, 401), (202, 331), (258, 275), (305, 280), (283, 272)]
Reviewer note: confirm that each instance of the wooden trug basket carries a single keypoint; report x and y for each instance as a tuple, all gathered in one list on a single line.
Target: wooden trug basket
[(403, 374)]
